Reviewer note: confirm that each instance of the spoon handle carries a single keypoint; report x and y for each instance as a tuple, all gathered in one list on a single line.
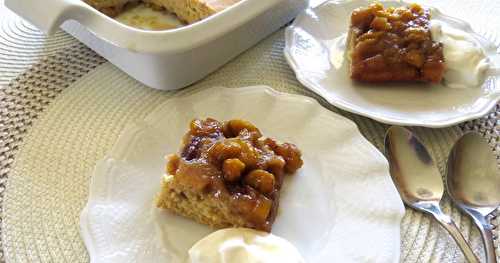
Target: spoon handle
[(450, 226), (486, 230)]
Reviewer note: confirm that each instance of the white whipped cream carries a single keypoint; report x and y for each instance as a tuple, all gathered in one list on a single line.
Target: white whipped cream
[(466, 62), (242, 245)]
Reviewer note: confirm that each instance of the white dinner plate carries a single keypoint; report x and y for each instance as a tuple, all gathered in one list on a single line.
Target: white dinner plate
[(341, 206), (309, 42)]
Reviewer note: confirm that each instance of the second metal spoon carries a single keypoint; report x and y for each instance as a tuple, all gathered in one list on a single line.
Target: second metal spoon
[(419, 181), (473, 183)]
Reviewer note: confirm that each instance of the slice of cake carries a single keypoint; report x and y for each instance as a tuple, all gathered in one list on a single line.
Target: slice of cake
[(394, 44), (227, 175), (109, 7), (190, 11)]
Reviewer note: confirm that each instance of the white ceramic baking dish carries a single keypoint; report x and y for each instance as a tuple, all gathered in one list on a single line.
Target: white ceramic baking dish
[(169, 59)]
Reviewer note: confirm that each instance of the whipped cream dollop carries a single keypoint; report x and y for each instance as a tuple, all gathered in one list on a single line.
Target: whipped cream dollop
[(243, 245), (466, 62)]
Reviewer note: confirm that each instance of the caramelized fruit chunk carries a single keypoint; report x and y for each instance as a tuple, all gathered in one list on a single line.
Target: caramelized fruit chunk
[(289, 152), (233, 128), (232, 169), (223, 150), (205, 127), (262, 210), (198, 176), (276, 166), (249, 154), (380, 23), (256, 208), (260, 180)]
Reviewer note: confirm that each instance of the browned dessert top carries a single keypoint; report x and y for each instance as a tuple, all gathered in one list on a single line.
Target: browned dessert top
[(233, 159), (394, 44)]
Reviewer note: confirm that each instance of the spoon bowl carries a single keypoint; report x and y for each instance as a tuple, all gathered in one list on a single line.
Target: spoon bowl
[(473, 183), (412, 169), (473, 177), (419, 181)]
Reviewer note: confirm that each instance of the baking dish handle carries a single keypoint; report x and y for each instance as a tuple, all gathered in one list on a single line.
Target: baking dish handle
[(46, 15)]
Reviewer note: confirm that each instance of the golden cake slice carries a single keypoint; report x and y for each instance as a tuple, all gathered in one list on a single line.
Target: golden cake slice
[(227, 175), (109, 7), (190, 11), (394, 44)]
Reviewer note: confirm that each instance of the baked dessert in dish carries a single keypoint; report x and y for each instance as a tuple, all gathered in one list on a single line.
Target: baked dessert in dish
[(188, 11), (144, 17), (110, 7), (191, 11), (394, 44), (227, 175)]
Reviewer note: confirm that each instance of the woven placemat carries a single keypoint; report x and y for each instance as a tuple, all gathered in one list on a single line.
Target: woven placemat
[(22, 45), (43, 111), (24, 98)]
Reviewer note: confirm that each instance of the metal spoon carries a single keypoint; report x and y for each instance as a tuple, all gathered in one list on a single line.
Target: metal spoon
[(419, 182), (473, 183)]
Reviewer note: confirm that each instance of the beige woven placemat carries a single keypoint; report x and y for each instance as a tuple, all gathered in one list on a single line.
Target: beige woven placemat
[(53, 130)]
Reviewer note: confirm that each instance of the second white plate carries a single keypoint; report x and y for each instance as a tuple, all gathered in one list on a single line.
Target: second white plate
[(308, 45), (340, 207)]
